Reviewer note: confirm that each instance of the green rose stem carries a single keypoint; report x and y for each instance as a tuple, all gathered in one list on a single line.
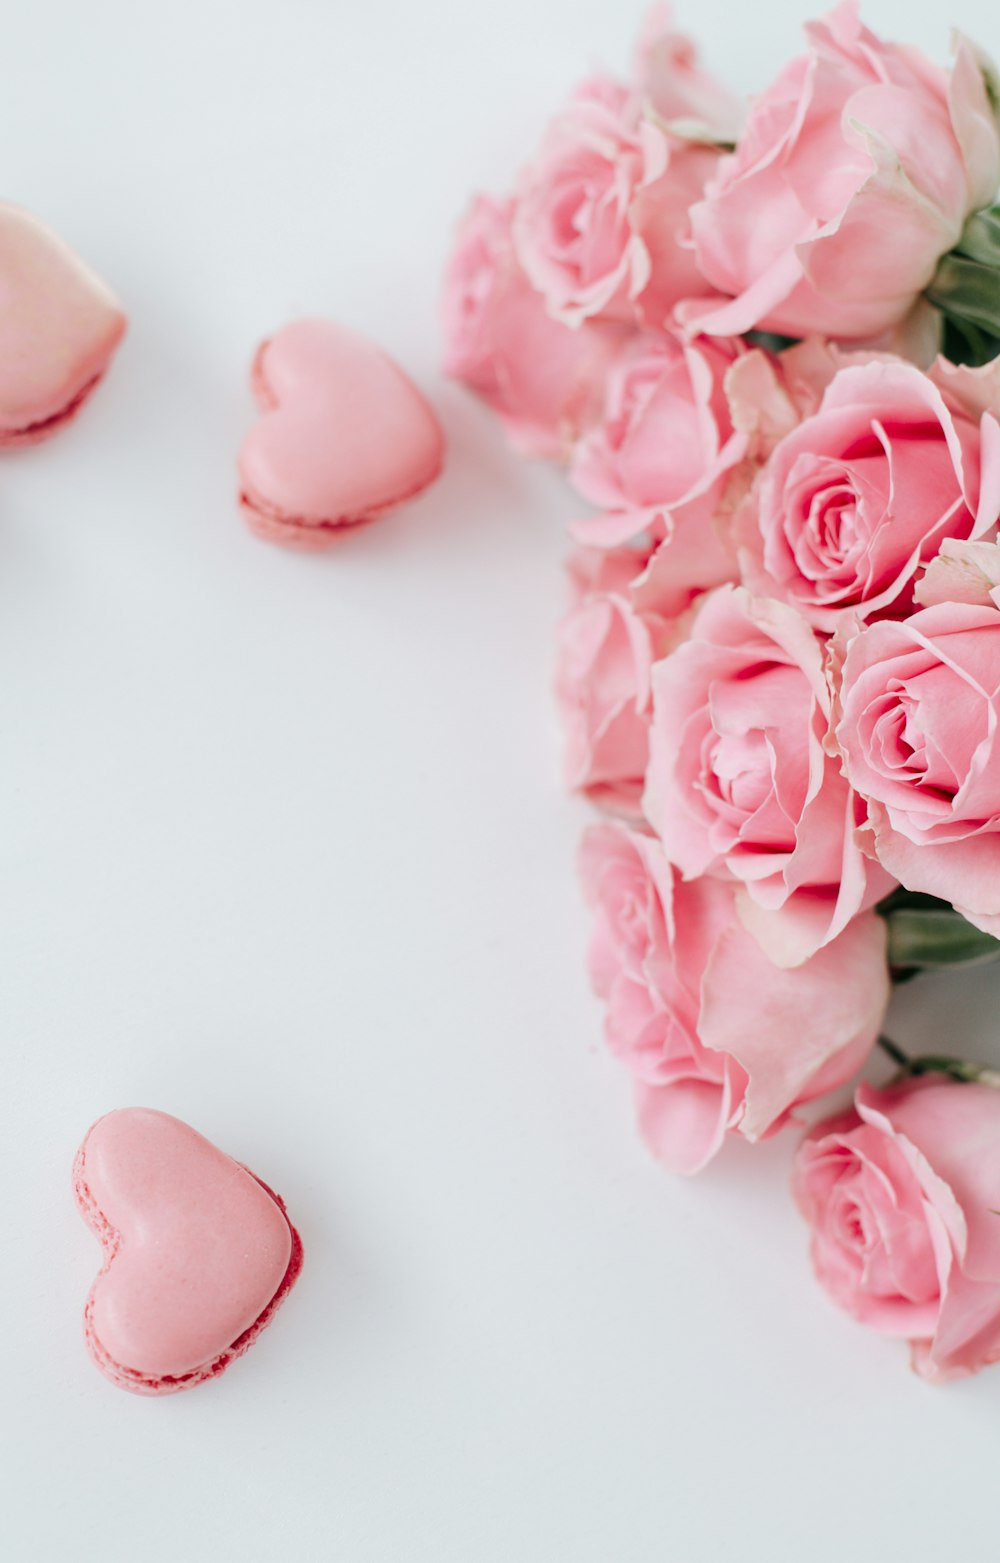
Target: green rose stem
[(895, 1053), (963, 1069), (926, 934)]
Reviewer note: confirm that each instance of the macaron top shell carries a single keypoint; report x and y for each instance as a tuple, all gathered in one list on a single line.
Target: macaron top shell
[(345, 434), (197, 1246), (59, 326)]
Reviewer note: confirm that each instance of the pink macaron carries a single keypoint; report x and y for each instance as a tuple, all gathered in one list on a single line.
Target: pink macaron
[(344, 438), (59, 328), (198, 1252)]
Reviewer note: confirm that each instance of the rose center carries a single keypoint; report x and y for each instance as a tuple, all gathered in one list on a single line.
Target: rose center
[(833, 533), (632, 922), (741, 771), (923, 736)]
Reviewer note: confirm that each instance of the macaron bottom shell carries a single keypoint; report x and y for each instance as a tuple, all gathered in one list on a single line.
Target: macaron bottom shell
[(167, 1384), (314, 536), (44, 428), (60, 327)]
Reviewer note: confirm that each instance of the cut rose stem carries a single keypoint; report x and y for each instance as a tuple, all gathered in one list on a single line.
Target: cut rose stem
[(895, 1053), (963, 1069)]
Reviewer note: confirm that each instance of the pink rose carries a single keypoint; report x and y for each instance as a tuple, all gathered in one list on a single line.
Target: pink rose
[(606, 654), (671, 80), (717, 1038), (658, 463), (920, 736), (603, 211), (666, 438), (902, 1197), (856, 172), (856, 499), (544, 380), (739, 780)]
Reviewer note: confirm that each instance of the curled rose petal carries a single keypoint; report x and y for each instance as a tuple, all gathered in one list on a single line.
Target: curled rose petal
[(901, 1197), (606, 653), (718, 1039)]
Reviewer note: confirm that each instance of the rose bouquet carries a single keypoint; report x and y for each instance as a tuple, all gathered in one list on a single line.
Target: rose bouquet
[(765, 344)]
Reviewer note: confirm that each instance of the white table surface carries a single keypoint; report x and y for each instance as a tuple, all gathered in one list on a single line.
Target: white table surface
[(283, 852)]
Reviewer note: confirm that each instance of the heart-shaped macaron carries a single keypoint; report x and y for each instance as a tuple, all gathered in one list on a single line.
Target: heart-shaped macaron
[(59, 326), (198, 1252), (345, 436)]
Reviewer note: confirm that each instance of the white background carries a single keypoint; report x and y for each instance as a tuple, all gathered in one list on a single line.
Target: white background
[(284, 853)]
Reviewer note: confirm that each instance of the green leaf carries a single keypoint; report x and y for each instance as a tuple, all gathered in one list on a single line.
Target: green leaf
[(980, 239), (770, 341), (967, 290), (931, 940), (964, 343), (913, 898)]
